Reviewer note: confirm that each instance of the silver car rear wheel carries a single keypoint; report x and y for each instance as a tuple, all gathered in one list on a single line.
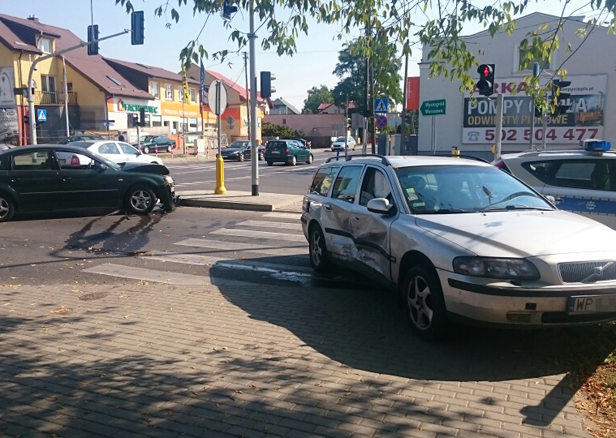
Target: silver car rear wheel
[(318, 251)]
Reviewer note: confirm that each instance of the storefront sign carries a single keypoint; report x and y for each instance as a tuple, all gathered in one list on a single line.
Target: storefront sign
[(583, 120)]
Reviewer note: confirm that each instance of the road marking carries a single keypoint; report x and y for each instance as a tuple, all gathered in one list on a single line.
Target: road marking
[(223, 262), (259, 234), (156, 276), (247, 247), (270, 224), (276, 215)]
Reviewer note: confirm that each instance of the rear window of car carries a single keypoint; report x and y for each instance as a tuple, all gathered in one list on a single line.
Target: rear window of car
[(277, 145), (323, 180)]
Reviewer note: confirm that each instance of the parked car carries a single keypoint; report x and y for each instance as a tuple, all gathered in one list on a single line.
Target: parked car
[(240, 150), (581, 181), (459, 239), (43, 178), (339, 145), (117, 151), (5, 147), (155, 143), (289, 152), (81, 137)]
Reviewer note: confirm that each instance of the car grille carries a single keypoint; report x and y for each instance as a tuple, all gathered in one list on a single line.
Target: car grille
[(578, 272)]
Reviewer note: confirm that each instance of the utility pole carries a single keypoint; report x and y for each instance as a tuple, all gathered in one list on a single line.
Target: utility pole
[(499, 125), (366, 97), (372, 118), (253, 103), (247, 88), (346, 134), (402, 127)]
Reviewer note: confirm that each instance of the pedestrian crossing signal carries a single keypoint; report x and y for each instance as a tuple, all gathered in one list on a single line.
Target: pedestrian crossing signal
[(485, 85)]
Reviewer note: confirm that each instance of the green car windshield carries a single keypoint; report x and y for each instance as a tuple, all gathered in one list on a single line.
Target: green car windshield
[(465, 189)]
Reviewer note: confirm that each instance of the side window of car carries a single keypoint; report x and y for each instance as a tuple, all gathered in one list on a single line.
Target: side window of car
[(127, 149), (323, 180), (345, 186), (374, 185), (40, 160), (108, 148), (73, 161), (586, 174)]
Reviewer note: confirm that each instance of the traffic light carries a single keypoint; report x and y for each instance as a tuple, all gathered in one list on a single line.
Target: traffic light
[(485, 85), (92, 36), (558, 97), (227, 10), (137, 28), (134, 119), (266, 84), (141, 116)]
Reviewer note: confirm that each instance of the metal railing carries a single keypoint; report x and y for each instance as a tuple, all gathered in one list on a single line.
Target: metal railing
[(54, 98)]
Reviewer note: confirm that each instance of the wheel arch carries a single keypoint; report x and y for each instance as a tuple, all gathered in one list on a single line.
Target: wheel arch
[(10, 194), (410, 259)]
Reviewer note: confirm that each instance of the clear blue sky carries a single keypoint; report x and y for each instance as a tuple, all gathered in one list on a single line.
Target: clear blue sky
[(312, 65)]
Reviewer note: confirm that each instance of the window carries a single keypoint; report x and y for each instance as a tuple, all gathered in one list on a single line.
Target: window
[(180, 94), (575, 174), (128, 149), (193, 95), (521, 53), (154, 90), (40, 160), (322, 180), (169, 92), (72, 161), (49, 84), (345, 186), (115, 81), (69, 86), (108, 148), (374, 185), (44, 45)]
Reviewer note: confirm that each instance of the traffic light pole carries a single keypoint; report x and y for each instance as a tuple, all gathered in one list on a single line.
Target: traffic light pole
[(499, 125), (254, 162), (532, 125), (31, 111)]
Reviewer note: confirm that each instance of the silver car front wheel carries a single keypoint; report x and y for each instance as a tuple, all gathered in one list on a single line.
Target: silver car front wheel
[(424, 303)]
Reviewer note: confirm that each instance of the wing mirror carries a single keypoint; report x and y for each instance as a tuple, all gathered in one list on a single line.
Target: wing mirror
[(380, 206)]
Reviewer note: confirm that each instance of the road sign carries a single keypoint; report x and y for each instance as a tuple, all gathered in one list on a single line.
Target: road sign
[(41, 115), (381, 122), (433, 107), (212, 97), (108, 122), (381, 106)]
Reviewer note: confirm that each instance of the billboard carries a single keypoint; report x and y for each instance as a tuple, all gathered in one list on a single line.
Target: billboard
[(583, 120), (9, 125), (412, 93)]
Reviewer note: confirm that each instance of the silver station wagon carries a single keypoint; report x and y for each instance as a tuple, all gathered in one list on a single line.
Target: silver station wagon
[(459, 239)]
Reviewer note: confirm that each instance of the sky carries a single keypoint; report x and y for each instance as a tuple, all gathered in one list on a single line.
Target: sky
[(312, 65)]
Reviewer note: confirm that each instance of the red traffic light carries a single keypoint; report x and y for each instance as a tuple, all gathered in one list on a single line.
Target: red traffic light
[(486, 70)]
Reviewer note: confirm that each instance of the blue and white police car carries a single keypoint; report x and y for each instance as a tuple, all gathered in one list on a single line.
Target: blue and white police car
[(581, 181)]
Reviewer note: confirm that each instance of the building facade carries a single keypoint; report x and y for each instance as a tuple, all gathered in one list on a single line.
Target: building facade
[(281, 106), (469, 121)]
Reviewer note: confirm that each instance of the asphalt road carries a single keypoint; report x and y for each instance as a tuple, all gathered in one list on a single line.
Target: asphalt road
[(279, 178), (190, 246)]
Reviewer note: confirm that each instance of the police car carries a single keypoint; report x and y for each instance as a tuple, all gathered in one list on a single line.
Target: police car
[(581, 181)]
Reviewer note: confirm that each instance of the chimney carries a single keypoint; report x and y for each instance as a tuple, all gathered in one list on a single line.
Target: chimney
[(33, 18)]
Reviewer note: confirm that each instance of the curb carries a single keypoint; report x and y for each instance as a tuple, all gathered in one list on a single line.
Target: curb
[(206, 203)]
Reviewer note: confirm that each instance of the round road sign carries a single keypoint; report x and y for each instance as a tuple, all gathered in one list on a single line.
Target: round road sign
[(381, 122)]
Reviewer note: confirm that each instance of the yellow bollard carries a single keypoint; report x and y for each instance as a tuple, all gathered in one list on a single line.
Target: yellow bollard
[(220, 176), (455, 152)]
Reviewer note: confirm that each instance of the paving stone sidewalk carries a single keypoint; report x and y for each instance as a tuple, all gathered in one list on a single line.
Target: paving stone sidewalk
[(255, 361)]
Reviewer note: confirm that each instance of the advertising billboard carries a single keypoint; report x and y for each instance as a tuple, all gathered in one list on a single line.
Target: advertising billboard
[(583, 120)]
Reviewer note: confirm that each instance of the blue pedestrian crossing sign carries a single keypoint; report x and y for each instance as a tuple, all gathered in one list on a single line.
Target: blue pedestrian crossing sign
[(41, 115), (381, 106)]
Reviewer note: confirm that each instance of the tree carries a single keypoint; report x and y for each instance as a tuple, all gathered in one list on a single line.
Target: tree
[(395, 20), (317, 96), (386, 65), (271, 130)]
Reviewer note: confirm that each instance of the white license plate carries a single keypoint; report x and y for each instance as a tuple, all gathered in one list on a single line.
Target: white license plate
[(275, 152), (592, 304)]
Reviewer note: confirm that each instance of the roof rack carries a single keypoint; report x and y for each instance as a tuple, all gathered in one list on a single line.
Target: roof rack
[(468, 157), (383, 159)]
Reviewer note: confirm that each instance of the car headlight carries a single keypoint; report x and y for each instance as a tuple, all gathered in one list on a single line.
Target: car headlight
[(502, 268), (168, 180)]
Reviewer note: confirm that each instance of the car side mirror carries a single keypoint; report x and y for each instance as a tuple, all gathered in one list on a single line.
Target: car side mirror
[(380, 206)]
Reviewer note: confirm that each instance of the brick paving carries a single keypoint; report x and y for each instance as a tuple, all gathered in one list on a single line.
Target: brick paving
[(255, 361)]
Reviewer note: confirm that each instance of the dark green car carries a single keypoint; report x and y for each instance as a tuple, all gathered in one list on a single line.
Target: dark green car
[(55, 177), (289, 152), (155, 143)]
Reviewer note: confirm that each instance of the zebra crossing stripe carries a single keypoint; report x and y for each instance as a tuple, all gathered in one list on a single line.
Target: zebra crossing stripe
[(274, 250), (297, 226), (255, 234), (277, 215)]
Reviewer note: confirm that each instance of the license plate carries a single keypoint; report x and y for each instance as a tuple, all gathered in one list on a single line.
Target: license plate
[(592, 304), (275, 152)]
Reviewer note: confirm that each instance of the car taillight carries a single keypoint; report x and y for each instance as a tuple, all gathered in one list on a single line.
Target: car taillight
[(500, 164), (286, 152), (75, 161)]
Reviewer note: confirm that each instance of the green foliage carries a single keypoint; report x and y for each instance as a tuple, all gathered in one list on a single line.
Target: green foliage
[(271, 130), (317, 96), (393, 21), (386, 65)]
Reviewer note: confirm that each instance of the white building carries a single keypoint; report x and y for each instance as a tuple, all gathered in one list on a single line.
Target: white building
[(469, 125)]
